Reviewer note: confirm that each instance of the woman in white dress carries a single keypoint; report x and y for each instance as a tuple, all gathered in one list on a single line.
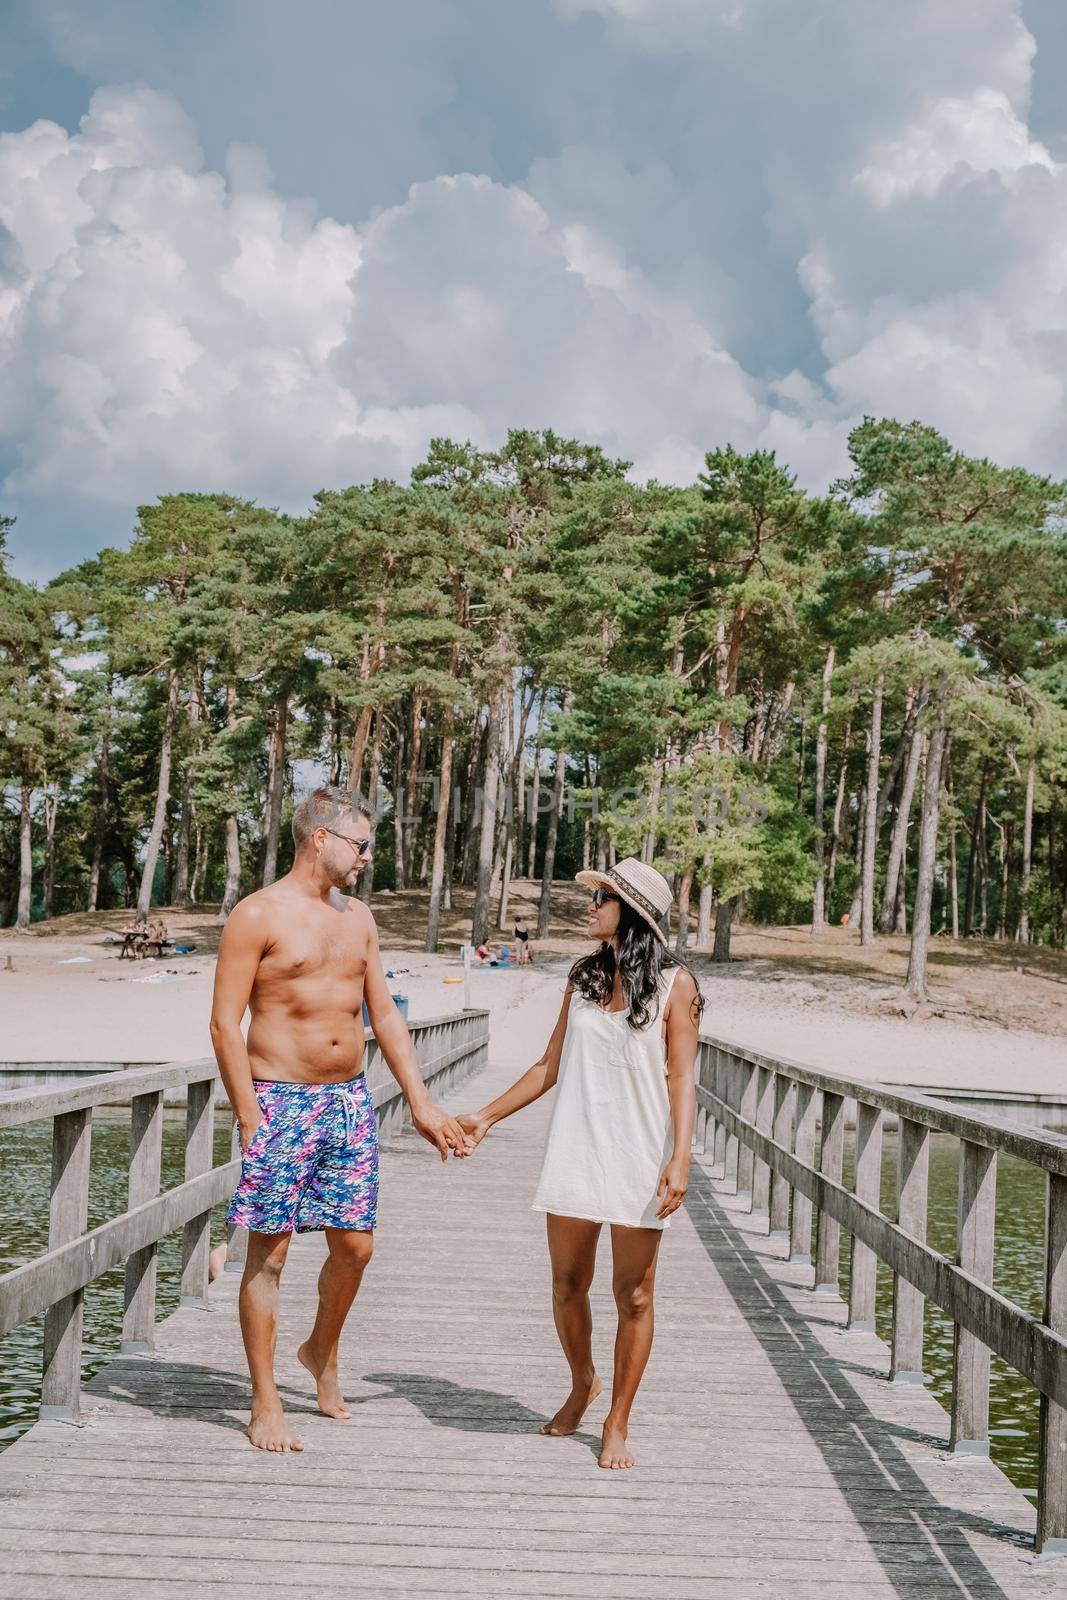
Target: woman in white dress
[(618, 1142)]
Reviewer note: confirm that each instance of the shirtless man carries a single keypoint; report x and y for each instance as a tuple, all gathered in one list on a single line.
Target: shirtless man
[(303, 956)]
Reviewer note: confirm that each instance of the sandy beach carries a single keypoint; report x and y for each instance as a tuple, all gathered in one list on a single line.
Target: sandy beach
[(996, 1021)]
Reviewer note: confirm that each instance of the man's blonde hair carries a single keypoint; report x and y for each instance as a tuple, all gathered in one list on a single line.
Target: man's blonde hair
[(323, 807)]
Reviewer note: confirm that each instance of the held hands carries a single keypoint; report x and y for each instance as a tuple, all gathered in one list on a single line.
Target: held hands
[(439, 1129), (475, 1128), (670, 1191)]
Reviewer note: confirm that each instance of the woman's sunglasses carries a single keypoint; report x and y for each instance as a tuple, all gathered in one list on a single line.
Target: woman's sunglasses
[(360, 846), (600, 895)]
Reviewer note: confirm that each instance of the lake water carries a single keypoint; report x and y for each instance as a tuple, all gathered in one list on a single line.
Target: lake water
[(25, 1162)]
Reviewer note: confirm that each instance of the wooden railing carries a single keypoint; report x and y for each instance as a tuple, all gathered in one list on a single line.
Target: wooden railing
[(54, 1283), (763, 1117)]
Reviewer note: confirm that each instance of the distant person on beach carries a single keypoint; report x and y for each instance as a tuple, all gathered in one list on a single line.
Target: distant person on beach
[(618, 1143), (304, 956), (522, 936)]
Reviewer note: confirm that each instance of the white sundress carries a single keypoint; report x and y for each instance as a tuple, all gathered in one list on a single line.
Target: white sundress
[(611, 1134)]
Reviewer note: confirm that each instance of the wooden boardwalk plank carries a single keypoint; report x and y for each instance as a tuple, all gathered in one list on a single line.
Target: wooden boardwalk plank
[(773, 1458)]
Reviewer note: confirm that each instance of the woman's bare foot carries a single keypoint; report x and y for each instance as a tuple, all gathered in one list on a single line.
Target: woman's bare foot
[(614, 1452), (572, 1410), (327, 1385), (268, 1430)]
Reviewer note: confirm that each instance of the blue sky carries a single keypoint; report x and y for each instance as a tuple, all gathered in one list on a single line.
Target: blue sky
[(266, 248)]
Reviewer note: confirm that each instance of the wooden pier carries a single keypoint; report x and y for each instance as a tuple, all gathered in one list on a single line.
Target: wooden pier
[(775, 1460)]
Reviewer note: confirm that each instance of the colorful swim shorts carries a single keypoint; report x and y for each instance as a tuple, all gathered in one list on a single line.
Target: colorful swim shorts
[(312, 1162)]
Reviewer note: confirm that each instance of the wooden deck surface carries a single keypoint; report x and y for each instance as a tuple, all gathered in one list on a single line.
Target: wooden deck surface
[(773, 1458)]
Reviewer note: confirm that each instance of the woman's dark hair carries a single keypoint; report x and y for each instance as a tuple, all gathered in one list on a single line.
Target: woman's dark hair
[(641, 958)]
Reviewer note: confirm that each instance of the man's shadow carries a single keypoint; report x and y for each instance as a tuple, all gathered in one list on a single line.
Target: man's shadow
[(186, 1391), (453, 1405)]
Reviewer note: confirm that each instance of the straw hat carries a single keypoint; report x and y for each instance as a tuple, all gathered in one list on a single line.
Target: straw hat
[(645, 890)]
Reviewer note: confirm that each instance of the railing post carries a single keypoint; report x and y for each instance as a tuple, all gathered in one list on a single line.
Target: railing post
[(863, 1279), (146, 1150), (68, 1215), (761, 1172), (804, 1150), (831, 1165), (196, 1240), (732, 1070), (780, 1190), (970, 1357), (906, 1365), (1052, 1459), (700, 1127), (745, 1156), (236, 1238), (721, 1084)]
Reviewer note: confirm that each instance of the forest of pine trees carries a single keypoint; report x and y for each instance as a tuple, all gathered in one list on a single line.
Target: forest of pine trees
[(871, 686)]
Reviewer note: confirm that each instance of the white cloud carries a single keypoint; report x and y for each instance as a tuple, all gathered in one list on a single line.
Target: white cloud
[(978, 134), (704, 220), (167, 327)]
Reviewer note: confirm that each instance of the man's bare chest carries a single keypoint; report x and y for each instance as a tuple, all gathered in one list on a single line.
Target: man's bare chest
[(318, 950)]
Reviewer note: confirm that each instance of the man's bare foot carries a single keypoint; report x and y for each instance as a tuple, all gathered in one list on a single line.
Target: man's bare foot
[(327, 1386), (268, 1430), (614, 1452), (572, 1410)]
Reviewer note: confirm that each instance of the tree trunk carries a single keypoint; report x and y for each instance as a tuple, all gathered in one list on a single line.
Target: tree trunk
[(358, 752), (983, 880), (776, 722), (857, 857), (915, 982), (488, 819), (704, 907), (977, 832), (900, 830), (51, 812), (544, 910), (100, 828), (535, 795), (818, 905), (1005, 875), (440, 839), (685, 888), (1022, 932), (181, 853), (870, 828), (366, 882), (839, 805), (232, 891), (417, 746), (475, 784), (900, 910), (505, 885), (648, 844), (954, 883), (25, 905), (144, 897), (399, 875), (724, 917), (279, 738), (200, 847)]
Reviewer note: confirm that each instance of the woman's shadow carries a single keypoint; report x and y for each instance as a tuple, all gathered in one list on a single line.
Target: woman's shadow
[(453, 1405)]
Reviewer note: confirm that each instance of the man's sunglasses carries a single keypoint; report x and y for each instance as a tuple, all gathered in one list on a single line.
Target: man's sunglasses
[(360, 846), (600, 895)]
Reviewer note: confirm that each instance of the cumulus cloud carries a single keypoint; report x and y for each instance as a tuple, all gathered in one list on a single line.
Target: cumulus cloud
[(165, 325), (694, 220)]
